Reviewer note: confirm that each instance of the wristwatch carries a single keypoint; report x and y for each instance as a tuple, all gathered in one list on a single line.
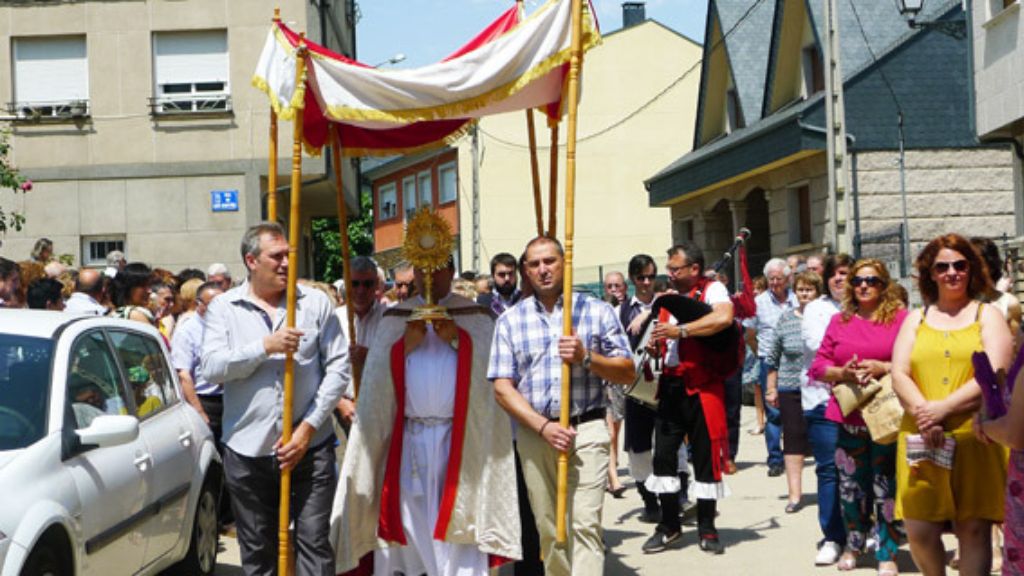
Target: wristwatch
[(586, 361), (683, 332)]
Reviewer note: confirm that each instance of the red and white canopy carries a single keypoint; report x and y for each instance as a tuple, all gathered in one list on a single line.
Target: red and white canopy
[(513, 64)]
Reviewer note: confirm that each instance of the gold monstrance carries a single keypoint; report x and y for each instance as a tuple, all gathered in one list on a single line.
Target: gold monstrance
[(428, 245)]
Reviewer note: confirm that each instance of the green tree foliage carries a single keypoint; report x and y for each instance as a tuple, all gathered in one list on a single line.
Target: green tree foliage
[(327, 241), (10, 180)]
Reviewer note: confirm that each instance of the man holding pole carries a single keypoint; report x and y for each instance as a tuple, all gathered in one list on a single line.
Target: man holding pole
[(245, 348), (368, 314), (526, 364)]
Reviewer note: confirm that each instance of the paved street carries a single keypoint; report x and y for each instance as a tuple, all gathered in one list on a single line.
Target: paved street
[(760, 537)]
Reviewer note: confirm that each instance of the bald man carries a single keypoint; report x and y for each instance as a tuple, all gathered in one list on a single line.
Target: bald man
[(89, 292)]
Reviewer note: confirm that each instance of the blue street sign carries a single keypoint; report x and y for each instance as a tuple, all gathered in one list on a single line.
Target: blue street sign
[(224, 200)]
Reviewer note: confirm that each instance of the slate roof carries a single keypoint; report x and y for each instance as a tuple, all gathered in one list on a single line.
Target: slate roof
[(747, 26), (934, 96)]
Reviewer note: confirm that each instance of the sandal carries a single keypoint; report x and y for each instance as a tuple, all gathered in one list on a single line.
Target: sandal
[(848, 561), (792, 507)]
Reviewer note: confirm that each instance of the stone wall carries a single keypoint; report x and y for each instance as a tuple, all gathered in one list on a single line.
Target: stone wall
[(968, 191)]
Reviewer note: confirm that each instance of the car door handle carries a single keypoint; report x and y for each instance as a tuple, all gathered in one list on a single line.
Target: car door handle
[(185, 438), (142, 461)]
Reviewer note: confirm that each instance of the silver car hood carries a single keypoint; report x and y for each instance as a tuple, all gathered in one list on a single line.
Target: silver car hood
[(9, 456)]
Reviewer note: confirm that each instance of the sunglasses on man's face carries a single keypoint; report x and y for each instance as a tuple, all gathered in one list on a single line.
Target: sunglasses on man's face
[(943, 267), (872, 281), (403, 285), (363, 283)]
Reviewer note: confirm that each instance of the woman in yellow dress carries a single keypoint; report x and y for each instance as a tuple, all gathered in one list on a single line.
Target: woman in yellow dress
[(948, 475)]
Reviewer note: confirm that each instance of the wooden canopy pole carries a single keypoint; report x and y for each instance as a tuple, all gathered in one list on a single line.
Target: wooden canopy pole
[(553, 192), (532, 136), (346, 271), (294, 231), (576, 63), (535, 170), (272, 169)]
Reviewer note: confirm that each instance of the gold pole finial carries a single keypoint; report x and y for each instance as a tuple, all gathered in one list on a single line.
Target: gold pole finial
[(277, 14)]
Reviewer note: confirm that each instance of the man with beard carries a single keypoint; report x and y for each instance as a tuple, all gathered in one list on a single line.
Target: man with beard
[(504, 295)]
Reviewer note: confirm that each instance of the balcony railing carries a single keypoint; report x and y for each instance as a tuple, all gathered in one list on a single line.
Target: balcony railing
[(55, 111), (190, 104)]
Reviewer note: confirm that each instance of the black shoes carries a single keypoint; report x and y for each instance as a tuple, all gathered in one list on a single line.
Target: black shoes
[(661, 541), (711, 544), (775, 470)]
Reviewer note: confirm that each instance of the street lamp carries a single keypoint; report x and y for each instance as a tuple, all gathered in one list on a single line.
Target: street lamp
[(956, 27), (393, 60)]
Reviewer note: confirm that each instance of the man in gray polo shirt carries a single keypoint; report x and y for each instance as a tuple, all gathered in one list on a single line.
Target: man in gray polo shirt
[(244, 349)]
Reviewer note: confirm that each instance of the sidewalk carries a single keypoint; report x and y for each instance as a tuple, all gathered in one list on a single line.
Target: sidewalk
[(760, 538)]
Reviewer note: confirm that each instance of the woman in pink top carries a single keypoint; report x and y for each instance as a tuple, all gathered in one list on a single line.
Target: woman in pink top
[(857, 347)]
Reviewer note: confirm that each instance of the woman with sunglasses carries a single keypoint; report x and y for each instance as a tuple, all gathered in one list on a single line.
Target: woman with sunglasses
[(949, 475), (857, 348)]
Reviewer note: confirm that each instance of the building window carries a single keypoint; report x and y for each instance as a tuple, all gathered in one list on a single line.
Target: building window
[(409, 196), (96, 248), (732, 110), (190, 72), (387, 202), (51, 78), (448, 183), (799, 215), (426, 190), (813, 71)]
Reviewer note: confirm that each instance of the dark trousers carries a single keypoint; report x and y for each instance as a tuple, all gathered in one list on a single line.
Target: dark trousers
[(531, 564), (733, 404), (681, 416), (214, 408), (255, 484)]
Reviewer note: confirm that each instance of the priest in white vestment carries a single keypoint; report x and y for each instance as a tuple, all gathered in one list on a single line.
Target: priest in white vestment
[(428, 481)]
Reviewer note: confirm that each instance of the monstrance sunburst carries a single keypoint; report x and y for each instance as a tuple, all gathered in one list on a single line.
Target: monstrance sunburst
[(428, 246)]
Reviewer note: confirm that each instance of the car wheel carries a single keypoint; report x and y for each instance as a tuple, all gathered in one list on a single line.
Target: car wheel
[(44, 561), (201, 558)]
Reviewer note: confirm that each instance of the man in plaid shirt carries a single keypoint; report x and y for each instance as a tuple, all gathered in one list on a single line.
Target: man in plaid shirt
[(526, 368)]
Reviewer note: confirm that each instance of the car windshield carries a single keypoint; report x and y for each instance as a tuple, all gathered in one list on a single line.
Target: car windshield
[(24, 389)]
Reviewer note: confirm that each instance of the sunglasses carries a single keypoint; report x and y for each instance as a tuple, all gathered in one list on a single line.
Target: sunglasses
[(872, 281), (943, 267), (363, 283), (403, 285)]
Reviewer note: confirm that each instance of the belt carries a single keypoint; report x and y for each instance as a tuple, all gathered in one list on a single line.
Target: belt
[(588, 416)]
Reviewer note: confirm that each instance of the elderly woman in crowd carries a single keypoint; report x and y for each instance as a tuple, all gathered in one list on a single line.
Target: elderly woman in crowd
[(787, 373), (802, 404), (856, 348), (944, 473)]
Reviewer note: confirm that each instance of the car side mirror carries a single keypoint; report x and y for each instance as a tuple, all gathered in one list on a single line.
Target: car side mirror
[(109, 430)]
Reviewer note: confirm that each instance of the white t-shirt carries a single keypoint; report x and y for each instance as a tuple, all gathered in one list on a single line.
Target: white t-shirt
[(715, 293)]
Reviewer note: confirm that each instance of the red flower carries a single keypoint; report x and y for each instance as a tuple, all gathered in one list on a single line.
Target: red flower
[(26, 185)]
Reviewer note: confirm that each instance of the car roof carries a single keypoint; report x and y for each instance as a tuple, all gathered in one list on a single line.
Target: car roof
[(45, 323)]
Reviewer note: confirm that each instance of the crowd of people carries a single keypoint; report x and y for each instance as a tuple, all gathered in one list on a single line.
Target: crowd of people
[(415, 400)]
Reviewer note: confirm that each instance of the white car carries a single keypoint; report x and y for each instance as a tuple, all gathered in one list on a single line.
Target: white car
[(104, 468)]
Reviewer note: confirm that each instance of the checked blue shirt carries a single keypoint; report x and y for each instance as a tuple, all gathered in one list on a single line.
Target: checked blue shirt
[(525, 350)]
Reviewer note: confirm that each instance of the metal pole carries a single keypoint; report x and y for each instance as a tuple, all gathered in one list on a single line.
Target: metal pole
[(905, 233)]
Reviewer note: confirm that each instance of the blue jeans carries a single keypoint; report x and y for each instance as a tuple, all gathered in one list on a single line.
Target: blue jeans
[(773, 421), (823, 436)]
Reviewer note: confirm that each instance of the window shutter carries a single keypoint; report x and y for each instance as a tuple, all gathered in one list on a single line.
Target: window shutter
[(51, 69), (190, 57)]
